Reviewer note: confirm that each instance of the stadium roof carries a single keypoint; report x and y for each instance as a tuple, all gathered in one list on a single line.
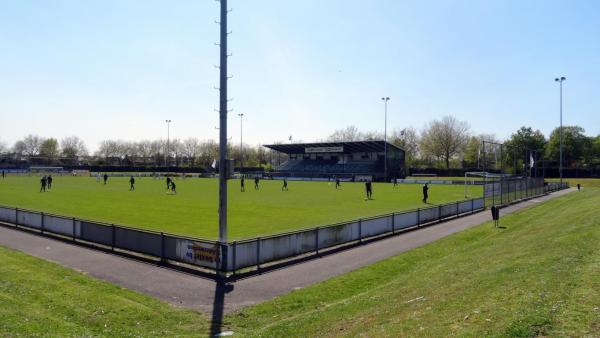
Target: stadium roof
[(349, 147)]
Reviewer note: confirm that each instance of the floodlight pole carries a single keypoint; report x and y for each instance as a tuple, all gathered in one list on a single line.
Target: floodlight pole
[(168, 136), (560, 165), (241, 115), (385, 102), (223, 126)]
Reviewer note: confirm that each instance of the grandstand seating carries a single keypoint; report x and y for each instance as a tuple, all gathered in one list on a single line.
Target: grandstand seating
[(329, 167)]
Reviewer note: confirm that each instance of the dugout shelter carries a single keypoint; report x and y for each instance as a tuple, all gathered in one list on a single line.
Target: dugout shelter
[(362, 160)]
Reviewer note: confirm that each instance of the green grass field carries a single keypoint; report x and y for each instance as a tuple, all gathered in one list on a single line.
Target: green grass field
[(193, 211), (540, 276)]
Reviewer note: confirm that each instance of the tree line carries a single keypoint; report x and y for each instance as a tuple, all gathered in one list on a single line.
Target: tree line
[(444, 143)]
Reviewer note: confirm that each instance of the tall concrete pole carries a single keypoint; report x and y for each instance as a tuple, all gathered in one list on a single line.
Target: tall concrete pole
[(223, 127), (385, 174), (560, 165)]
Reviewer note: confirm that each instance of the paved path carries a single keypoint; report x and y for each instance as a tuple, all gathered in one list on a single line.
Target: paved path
[(191, 291)]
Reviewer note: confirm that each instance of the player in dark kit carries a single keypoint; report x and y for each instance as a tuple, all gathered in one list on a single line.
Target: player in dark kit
[(105, 178), (173, 187), (369, 189), (242, 185), (169, 182), (395, 181), (131, 184), (256, 183), (49, 179), (337, 183), (425, 193), (43, 183), (3, 174), (285, 186)]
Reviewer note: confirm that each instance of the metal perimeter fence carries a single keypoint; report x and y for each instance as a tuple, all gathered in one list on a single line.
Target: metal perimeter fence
[(509, 190), (246, 254)]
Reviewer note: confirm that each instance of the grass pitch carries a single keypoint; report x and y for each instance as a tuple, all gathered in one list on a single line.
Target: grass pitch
[(537, 277), (193, 210)]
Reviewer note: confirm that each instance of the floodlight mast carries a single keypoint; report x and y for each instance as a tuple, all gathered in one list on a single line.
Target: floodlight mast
[(223, 126), (560, 164), (385, 174)]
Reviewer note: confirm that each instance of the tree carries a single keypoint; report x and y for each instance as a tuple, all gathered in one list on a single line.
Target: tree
[(191, 149), (73, 147), (49, 148), (407, 139), (444, 139), (473, 154), (348, 134), (576, 145), (527, 138), (31, 145), (3, 147)]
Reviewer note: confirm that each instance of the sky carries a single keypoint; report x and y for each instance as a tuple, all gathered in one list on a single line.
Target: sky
[(117, 69)]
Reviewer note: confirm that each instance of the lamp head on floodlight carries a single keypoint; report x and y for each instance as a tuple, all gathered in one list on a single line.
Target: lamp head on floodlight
[(385, 98), (561, 79)]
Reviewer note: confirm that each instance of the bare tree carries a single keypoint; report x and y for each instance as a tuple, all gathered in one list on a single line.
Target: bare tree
[(144, 150), (73, 147), (445, 139), (3, 147), (191, 149), (407, 139), (108, 149), (347, 134), (32, 144)]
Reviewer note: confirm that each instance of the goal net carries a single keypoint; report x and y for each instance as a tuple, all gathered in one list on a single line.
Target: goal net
[(479, 179)]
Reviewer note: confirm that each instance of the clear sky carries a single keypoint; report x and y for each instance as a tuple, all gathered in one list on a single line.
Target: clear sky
[(116, 69)]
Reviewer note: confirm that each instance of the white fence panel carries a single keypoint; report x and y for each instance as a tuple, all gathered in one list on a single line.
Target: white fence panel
[(288, 245), (464, 206), (478, 203), (58, 225), (338, 234), (428, 215), (245, 254), (7, 215), (30, 219), (376, 226), (405, 220)]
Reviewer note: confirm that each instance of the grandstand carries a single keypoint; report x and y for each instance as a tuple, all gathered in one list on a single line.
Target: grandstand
[(345, 160)]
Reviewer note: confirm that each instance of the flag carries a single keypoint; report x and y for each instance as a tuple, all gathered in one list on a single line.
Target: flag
[(214, 164), (531, 161)]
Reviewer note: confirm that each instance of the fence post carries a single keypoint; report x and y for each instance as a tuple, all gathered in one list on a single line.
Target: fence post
[(439, 213), (360, 230), (234, 257), (393, 222), (317, 240), (473, 205), (113, 237), (74, 231), (162, 247), (42, 225), (418, 216), (17, 217), (258, 253), (457, 209)]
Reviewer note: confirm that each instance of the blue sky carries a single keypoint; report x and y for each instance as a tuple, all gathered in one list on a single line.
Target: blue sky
[(116, 69)]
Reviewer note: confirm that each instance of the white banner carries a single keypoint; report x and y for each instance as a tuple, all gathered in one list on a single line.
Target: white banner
[(324, 150), (203, 254)]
